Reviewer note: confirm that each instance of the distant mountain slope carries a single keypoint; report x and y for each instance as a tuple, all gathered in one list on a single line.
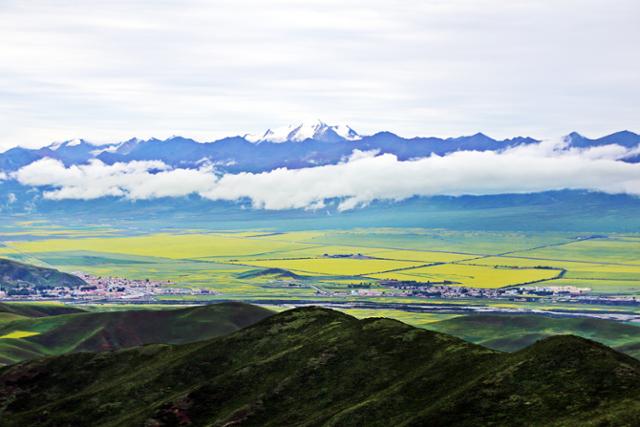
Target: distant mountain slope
[(314, 366), (106, 331), (624, 138), (574, 211), (13, 274), (514, 332)]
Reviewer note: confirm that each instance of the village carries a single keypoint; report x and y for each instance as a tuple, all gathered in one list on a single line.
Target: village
[(114, 289), (103, 288), (449, 290)]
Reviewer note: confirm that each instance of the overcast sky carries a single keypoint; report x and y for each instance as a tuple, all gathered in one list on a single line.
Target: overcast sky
[(110, 70)]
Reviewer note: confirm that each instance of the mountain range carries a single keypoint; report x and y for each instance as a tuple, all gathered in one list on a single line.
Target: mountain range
[(294, 146), (304, 146)]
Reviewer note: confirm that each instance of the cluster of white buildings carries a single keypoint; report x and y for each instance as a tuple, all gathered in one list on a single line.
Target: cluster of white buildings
[(105, 288), (558, 290)]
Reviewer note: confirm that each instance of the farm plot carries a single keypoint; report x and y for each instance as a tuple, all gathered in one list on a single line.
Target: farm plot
[(476, 276)]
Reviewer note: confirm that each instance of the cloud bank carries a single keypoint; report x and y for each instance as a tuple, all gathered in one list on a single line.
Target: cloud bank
[(358, 180), (133, 180)]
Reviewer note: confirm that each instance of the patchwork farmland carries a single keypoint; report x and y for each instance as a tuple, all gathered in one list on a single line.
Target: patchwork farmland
[(352, 266)]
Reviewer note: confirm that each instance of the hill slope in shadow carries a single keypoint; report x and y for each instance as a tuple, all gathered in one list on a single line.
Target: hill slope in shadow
[(112, 330), (313, 366)]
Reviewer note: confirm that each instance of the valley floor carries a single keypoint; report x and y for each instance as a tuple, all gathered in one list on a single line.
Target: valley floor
[(414, 271)]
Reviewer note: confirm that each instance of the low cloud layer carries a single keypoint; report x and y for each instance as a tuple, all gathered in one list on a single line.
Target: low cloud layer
[(133, 180), (357, 181)]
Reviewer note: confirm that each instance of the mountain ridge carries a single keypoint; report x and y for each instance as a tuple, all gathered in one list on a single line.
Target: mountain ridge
[(294, 147), (13, 274), (313, 366), (72, 330)]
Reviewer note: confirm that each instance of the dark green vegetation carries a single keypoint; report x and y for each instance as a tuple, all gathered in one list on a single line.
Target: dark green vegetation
[(103, 331), (275, 273), (313, 366), (14, 274), (514, 332)]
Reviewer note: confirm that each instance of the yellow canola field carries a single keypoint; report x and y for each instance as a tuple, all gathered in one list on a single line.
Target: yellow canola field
[(19, 334), (471, 275), (176, 246), (575, 270)]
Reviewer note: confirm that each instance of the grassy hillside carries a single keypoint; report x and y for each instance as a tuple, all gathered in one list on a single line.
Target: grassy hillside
[(29, 309), (103, 331), (514, 332), (10, 312), (314, 366), (13, 274)]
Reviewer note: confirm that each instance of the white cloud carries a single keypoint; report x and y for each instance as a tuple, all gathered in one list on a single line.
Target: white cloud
[(359, 180), (367, 178), (134, 180)]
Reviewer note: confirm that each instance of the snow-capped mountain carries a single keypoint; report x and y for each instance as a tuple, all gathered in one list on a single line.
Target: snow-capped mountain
[(70, 143), (124, 147), (315, 130)]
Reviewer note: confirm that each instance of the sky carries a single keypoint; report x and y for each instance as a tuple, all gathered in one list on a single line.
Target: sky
[(111, 70)]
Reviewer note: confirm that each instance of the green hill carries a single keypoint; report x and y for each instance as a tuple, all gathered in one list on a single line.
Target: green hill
[(104, 331), (278, 273), (33, 309), (14, 274), (313, 366), (10, 312), (514, 332)]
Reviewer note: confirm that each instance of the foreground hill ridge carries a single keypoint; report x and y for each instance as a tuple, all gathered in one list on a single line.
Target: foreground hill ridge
[(77, 330), (314, 366)]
